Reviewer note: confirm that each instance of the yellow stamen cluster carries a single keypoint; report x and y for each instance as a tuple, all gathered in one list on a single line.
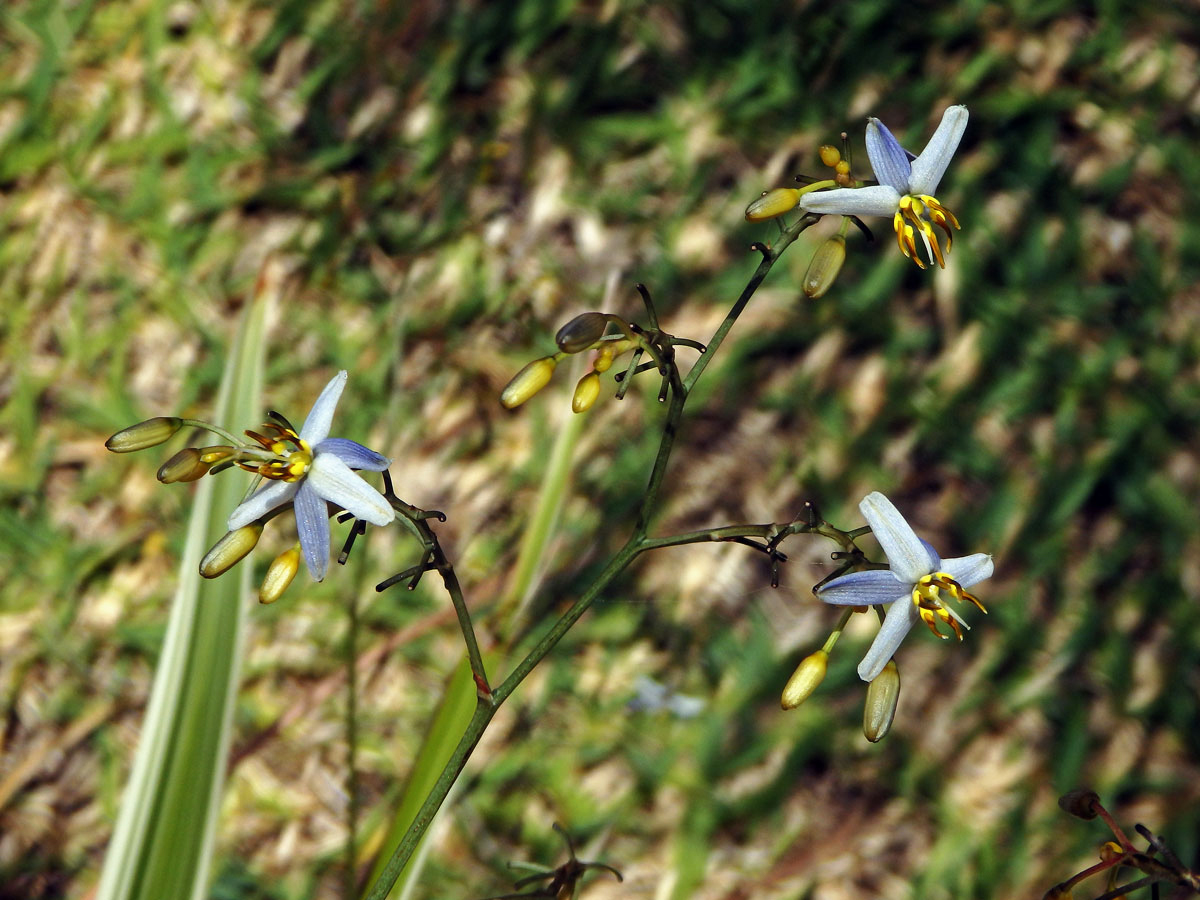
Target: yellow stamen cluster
[(920, 213), (292, 455), (927, 597)]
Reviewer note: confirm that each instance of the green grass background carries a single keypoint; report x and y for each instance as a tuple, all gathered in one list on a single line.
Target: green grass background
[(444, 185)]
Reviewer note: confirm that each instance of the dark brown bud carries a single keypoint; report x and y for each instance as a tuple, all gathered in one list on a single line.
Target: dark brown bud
[(1081, 804), (581, 332)]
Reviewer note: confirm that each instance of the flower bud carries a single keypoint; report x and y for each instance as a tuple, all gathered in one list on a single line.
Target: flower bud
[(213, 455), (185, 465), (882, 695), (586, 392), (279, 575), (806, 679), (824, 267), (830, 155), (528, 382), (1081, 804), (772, 203), (581, 332), (604, 359), (150, 433), (230, 550)]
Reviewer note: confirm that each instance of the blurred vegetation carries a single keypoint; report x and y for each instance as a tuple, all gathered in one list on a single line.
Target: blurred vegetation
[(446, 184)]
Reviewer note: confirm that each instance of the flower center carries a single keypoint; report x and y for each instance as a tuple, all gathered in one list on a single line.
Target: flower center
[(927, 595), (918, 214), (288, 456)]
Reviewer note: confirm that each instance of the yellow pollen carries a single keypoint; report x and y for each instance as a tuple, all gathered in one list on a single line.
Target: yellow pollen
[(292, 455), (919, 213), (930, 607)]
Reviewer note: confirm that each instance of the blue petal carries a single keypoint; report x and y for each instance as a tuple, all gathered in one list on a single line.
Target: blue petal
[(260, 503), (354, 454), (863, 589), (969, 570), (888, 159), (901, 617), (930, 166), (905, 551), (312, 524), (935, 561), (320, 418)]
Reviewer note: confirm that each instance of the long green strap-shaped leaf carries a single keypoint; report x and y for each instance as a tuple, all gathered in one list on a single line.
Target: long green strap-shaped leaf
[(162, 843)]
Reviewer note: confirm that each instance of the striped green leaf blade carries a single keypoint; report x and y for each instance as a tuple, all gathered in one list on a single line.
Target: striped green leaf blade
[(162, 843)]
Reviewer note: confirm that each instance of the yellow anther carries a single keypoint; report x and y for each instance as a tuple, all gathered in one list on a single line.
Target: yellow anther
[(830, 155), (921, 213), (927, 597)]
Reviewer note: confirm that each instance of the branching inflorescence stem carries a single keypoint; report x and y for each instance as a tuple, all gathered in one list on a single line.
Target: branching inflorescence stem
[(434, 559)]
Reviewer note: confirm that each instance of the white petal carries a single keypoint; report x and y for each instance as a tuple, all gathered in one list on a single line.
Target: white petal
[(260, 503), (320, 418), (930, 166), (333, 480), (877, 200), (901, 617), (905, 551), (312, 525), (969, 570), (863, 589), (889, 162)]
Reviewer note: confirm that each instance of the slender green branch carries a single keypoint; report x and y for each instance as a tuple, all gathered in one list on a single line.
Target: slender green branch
[(616, 565), (196, 423), (724, 533), (769, 258), (436, 560)]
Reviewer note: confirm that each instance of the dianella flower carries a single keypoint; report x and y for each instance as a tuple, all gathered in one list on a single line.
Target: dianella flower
[(309, 469), (913, 584), (906, 187)]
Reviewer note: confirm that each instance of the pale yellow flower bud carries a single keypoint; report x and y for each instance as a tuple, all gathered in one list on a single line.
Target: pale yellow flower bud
[(279, 575), (586, 392), (215, 454), (581, 332), (882, 696), (185, 465), (806, 679), (230, 550), (528, 382), (772, 203), (825, 265), (150, 433), (830, 155)]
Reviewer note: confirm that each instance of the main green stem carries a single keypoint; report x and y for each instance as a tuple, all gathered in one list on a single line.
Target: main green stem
[(489, 702)]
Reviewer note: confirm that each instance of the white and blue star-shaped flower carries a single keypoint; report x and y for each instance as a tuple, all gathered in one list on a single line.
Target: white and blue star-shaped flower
[(912, 584), (315, 469), (906, 187)]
